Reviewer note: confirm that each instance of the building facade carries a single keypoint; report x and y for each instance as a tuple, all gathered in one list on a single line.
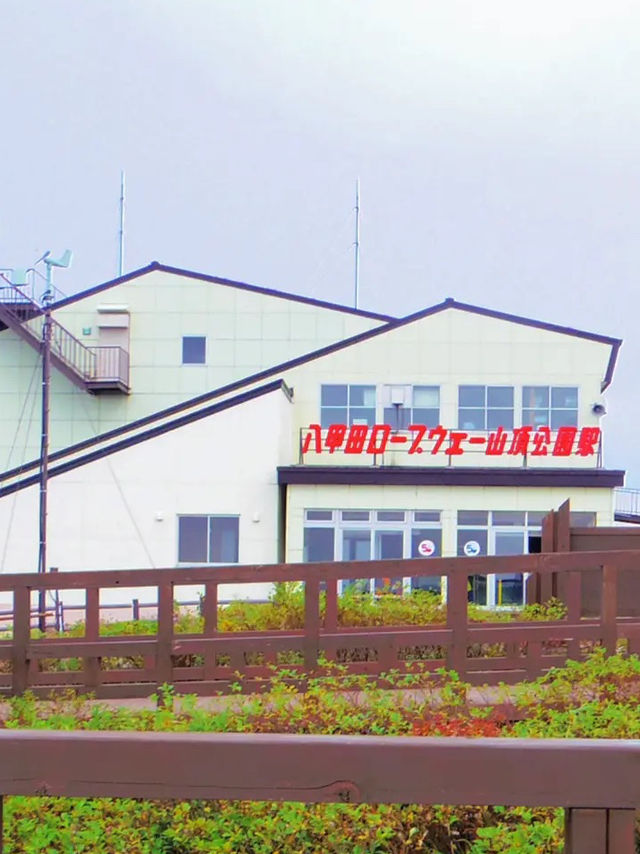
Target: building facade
[(219, 422)]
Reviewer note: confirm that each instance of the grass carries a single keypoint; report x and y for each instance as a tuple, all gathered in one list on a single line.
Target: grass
[(596, 698)]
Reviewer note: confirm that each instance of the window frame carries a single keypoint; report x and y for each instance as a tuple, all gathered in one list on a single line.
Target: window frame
[(210, 517), (407, 414), (349, 407), (202, 338), (373, 525), (486, 408), (550, 409)]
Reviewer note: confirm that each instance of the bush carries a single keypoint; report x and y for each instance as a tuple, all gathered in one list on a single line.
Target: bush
[(590, 699)]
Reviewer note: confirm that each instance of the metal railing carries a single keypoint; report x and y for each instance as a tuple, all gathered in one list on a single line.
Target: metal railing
[(595, 781), (627, 504), (111, 364), (211, 661), (87, 365)]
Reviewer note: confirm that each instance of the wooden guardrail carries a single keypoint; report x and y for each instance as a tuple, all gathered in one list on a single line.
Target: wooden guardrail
[(520, 649), (596, 781)]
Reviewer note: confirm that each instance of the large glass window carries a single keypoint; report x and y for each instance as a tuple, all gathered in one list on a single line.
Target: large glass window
[(318, 544), (347, 404), (550, 406), (482, 407), (422, 407), (497, 532), (375, 535), (208, 539)]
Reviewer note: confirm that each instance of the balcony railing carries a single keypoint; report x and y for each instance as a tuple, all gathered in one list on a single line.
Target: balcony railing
[(627, 507)]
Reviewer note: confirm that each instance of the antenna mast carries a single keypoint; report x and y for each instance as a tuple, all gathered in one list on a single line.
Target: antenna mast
[(356, 293), (121, 232)]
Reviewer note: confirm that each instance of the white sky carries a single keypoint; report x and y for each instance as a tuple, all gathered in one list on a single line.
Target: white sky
[(496, 144)]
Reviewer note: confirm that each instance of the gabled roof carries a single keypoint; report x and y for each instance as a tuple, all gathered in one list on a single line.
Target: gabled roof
[(389, 321), (614, 343), (203, 277), (178, 409)]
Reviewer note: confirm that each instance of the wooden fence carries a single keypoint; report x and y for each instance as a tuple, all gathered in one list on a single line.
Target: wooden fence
[(595, 781), (211, 661)]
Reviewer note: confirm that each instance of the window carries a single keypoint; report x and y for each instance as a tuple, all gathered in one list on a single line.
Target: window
[(208, 539), (318, 544), (424, 408), (347, 404), (375, 535), (482, 407), (548, 406), (499, 532), (194, 349)]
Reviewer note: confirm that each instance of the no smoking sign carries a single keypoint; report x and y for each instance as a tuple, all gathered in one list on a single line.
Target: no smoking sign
[(426, 548)]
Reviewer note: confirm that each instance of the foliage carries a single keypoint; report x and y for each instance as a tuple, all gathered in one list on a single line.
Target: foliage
[(591, 699)]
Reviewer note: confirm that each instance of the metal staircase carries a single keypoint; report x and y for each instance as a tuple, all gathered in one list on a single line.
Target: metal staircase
[(93, 369)]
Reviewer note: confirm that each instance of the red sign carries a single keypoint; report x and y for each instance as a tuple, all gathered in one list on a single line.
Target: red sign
[(521, 441)]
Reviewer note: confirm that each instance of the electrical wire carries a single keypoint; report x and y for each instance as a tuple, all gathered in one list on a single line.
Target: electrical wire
[(14, 497), (123, 497)]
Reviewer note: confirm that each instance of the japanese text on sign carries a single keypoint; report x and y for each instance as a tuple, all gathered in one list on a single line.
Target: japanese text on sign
[(376, 439)]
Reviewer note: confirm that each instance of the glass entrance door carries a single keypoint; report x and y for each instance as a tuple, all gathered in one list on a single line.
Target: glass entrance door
[(507, 588), (389, 545)]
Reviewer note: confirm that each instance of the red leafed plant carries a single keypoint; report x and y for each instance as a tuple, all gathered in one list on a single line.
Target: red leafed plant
[(465, 727)]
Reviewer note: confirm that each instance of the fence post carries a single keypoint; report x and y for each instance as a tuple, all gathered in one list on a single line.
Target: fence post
[(311, 623), (573, 601), (135, 610), (21, 638), (457, 602), (92, 633), (609, 608), (599, 831), (164, 641), (209, 610), (331, 606)]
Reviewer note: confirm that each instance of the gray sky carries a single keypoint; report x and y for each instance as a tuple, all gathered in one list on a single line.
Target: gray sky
[(496, 144)]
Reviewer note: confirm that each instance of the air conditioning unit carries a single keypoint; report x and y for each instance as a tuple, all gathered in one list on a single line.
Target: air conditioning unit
[(398, 395)]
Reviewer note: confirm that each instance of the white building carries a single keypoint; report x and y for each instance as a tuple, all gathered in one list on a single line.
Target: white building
[(197, 420)]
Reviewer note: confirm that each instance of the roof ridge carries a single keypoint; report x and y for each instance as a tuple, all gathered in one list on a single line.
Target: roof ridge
[(219, 280)]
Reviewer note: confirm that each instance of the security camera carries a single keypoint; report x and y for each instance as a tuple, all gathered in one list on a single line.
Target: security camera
[(599, 409)]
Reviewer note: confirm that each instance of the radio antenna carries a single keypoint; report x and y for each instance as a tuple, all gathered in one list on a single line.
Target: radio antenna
[(121, 232), (356, 288)]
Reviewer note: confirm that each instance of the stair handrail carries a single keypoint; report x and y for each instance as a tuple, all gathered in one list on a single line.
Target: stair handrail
[(65, 346)]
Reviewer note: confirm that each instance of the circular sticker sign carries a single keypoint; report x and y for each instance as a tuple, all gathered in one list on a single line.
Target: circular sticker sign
[(426, 548), (472, 548)]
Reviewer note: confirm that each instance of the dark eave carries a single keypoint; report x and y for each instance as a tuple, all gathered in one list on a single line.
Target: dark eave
[(137, 438), (449, 476), (217, 280)]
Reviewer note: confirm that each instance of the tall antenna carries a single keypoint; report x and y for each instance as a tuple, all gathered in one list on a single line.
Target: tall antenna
[(356, 293), (121, 232)]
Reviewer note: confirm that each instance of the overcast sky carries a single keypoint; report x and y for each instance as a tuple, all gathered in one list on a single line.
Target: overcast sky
[(497, 145)]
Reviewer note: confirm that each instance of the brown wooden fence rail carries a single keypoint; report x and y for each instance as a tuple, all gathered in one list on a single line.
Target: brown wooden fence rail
[(525, 649), (596, 781)]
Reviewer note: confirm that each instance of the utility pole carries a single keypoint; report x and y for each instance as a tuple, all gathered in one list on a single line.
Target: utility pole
[(356, 294), (44, 441)]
